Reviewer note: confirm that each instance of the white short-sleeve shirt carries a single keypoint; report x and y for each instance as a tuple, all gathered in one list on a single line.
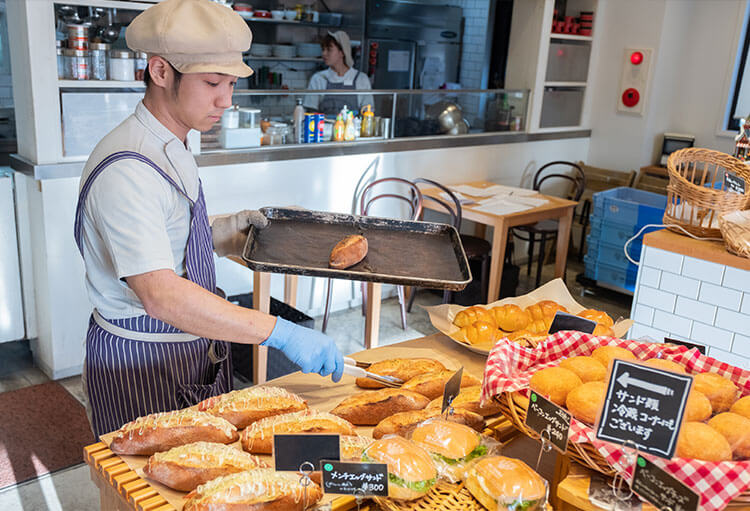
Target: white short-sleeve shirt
[(319, 80), (134, 220)]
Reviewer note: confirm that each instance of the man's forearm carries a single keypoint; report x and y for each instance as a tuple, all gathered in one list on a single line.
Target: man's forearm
[(189, 307)]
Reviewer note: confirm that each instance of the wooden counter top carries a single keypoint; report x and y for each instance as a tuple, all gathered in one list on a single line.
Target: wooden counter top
[(713, 251)]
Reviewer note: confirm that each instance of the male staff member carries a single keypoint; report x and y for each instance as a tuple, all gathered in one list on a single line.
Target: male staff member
[(156, 336)]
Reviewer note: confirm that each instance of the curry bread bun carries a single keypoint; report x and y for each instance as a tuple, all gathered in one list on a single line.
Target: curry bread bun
[(587, 368), (411, 471), (702, 442), (501, 484), (554, 383), (742, 406), (585, 402), (451, 445), (736, 429), (719, 390)]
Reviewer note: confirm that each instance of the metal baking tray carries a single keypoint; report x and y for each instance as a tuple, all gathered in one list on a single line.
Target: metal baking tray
[(402, 252)]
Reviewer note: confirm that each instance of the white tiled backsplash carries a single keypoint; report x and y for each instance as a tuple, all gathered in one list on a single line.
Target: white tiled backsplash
[(693, 300)]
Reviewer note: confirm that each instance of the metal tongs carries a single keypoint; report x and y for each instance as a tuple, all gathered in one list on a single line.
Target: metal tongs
[(358, 370)]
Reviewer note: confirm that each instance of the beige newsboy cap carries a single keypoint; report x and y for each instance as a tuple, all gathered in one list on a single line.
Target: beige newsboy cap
[(195, 36)]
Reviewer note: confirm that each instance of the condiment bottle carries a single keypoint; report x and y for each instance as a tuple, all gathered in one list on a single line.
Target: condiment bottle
[(299, 120), (350, 133), (338, 129), (368, 122)]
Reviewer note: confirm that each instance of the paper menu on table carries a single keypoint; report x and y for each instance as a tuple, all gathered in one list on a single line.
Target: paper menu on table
[(501, 207), (462, 199)]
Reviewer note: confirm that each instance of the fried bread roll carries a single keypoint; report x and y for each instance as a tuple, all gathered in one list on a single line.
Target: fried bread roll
[(187, 466), (698, 407), (468, 399), (701, 442), (587, 368), (506, 484), (348, 252), (605, 354), (719, 390), (433, 384), (666, 365), (742, 406), (260, 489), (402, 368), (554, 383), (401, 423), (544, 309), (258, 437), (510, 317), (585, 402), (480, 332), (162, 431), (736, 429), (243, 407), (468, 316), (600, 317), (369, 408), (411, 471)]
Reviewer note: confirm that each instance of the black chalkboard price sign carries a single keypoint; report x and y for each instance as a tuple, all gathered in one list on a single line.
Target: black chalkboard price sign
[(563, 321), (365, 479), (662, 490), (544, 415), (452, 388), (644, 407), (734, 183), (290, 451)]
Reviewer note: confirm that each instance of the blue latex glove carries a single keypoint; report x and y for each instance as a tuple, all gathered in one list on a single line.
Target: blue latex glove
[(313, 351)]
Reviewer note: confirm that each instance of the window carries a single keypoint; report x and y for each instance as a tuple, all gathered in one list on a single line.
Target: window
[(739, 105)]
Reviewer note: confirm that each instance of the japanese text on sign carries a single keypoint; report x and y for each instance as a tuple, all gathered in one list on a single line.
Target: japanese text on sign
[(543, 415), (355, 478), (644, 406), (661, 489)]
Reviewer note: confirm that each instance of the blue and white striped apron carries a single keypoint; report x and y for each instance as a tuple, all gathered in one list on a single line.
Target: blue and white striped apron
[(141, 365)]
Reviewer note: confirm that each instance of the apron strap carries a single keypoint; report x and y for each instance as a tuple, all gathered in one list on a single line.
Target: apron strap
[(141, 336), (106, 162)]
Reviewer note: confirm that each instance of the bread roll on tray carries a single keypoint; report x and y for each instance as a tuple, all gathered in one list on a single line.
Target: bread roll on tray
[(554, 383), (587, 368), (432, 384), (719, 390), (260, 489), (348, 252), (701, 442), (185, 467), (162, 431), (243, 407), (469, 398), (258, 437), (527, 338), (544, 310), (411, 471), (510, 317), (402, 368), (600, 317), (402, 423), (369, 408), (479, 332), (506, 484)]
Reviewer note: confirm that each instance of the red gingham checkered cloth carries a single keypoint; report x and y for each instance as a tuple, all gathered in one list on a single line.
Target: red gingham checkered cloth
[(510, 366)]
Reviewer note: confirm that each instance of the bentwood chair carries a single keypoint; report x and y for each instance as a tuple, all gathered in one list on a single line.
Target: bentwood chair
[(547, 229), (377, 192), (474, 247)]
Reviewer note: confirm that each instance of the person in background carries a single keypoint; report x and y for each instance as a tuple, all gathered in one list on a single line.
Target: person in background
[(340, 75)]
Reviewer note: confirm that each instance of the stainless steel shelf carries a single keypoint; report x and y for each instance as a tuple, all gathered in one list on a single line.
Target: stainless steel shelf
[(286, 59)]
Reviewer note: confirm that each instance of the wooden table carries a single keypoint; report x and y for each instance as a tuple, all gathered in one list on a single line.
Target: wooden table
[(122, 489), (555, 208)]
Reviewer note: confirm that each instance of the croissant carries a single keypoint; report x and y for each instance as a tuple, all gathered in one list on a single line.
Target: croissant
[(544, 309), (540, 326), (468, 316), (510, 317), (600, 317), (480, 332)]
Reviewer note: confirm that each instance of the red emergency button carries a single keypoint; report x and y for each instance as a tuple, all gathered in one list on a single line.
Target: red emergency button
[(636, 58), (630, 97)]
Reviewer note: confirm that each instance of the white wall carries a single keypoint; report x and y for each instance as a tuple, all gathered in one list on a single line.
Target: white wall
[(695, 45)]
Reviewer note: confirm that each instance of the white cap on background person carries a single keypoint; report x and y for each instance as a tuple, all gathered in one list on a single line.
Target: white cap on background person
[(195, 36), (342, 38)]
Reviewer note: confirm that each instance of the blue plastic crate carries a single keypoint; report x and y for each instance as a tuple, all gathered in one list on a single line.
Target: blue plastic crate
[(616, 233), (604, 273), (629, 206), (613, 255)]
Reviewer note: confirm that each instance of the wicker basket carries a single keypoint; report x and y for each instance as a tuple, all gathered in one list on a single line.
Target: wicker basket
[(451, 497), (735, 229), (693, 200)]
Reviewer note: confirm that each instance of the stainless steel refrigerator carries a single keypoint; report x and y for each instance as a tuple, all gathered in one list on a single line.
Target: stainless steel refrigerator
[(412, 44)]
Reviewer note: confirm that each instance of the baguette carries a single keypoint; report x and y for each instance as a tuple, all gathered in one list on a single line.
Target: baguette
[(258, 437), (243, 407), (469, 399), (433, 384), (348, 252), (401, 423), (369, 408), (184, 468), (402, 368), (260, 489), (162, 431)]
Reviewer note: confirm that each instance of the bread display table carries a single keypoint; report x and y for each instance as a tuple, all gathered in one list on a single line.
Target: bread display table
[(122, 488)]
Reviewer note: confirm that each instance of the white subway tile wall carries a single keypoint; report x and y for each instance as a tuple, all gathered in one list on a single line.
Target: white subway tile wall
[(693, 300), (473, 50)]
